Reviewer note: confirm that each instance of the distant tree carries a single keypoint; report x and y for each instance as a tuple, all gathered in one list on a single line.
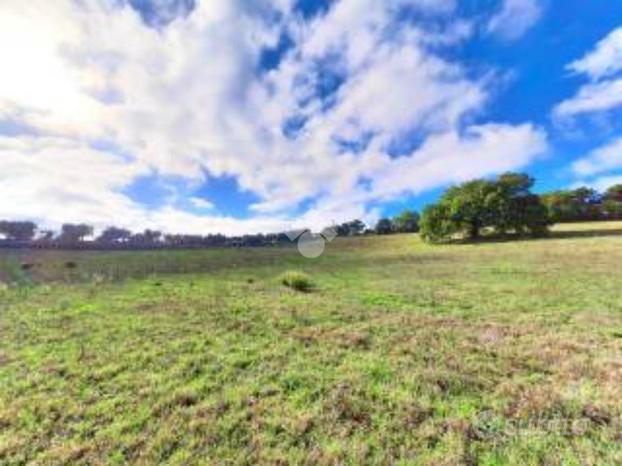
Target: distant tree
[(612, 203), (563, 206), (282, 238), (146, 238), (217, 240), (582, 204), (585, 195), (114, 235), (505, 204), (343, 229), (192, 240), (357, 227), (253, 240), (172, 240), (18, 231), (74, 233), (46, 235), (614, 193), (384, 227), (351, 228), (612, 209), (152, 236), (406, 222), (184, 241)]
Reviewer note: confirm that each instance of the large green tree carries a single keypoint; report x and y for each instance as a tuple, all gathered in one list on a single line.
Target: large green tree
[(504, 205)]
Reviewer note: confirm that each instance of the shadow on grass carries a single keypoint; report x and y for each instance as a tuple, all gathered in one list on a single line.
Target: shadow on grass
[(586, 233), (571, 234)]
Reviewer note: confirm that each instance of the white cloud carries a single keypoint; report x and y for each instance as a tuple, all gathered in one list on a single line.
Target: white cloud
[(601, 95), (53, 180), (451, 158), (57, 180), (201, 203), (515, 18), (604, 93), (605, 60), (595, 97), (601, 160), (600, 184), (189, 98)]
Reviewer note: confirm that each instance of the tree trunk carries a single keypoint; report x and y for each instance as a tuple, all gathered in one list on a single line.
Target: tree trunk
[(474, 230)]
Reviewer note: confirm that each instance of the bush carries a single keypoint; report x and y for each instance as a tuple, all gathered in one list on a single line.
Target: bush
[(298, 281)]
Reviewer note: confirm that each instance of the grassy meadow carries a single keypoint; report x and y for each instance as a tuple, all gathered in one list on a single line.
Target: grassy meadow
[(400, 353)]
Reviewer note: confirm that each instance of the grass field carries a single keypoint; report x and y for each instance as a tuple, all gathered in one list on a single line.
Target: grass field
[(402, 353)]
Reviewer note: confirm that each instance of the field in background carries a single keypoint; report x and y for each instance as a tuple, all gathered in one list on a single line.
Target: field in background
[(492, 353)]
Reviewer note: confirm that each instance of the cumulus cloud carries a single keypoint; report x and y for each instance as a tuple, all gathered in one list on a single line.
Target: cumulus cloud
[(604, 91), (601, 160), (515, 18), (605, 60), (451, 157), (601, 95), (52, 179), (596, 97), (189, 97), (201, 203), (602, 183), (159, 13)]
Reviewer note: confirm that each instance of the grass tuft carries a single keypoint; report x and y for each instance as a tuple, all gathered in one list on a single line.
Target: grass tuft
[(297, 280)]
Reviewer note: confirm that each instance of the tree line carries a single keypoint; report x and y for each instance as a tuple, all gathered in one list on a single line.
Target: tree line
[(504, 205), (81, 236), (584, 204)]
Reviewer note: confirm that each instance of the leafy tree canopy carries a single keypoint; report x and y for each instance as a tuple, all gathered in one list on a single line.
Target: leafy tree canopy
[(504, 205)]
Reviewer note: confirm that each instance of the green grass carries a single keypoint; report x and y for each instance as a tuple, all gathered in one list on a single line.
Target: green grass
[(404, 353)]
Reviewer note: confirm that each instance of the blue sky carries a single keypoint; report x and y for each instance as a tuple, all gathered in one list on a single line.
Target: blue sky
[(247, 116)]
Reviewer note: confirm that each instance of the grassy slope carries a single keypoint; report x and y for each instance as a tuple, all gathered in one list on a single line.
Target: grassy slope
[(506, 353)]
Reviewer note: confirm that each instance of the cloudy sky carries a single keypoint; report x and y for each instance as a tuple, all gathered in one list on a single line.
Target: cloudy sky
[(238, 116)]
